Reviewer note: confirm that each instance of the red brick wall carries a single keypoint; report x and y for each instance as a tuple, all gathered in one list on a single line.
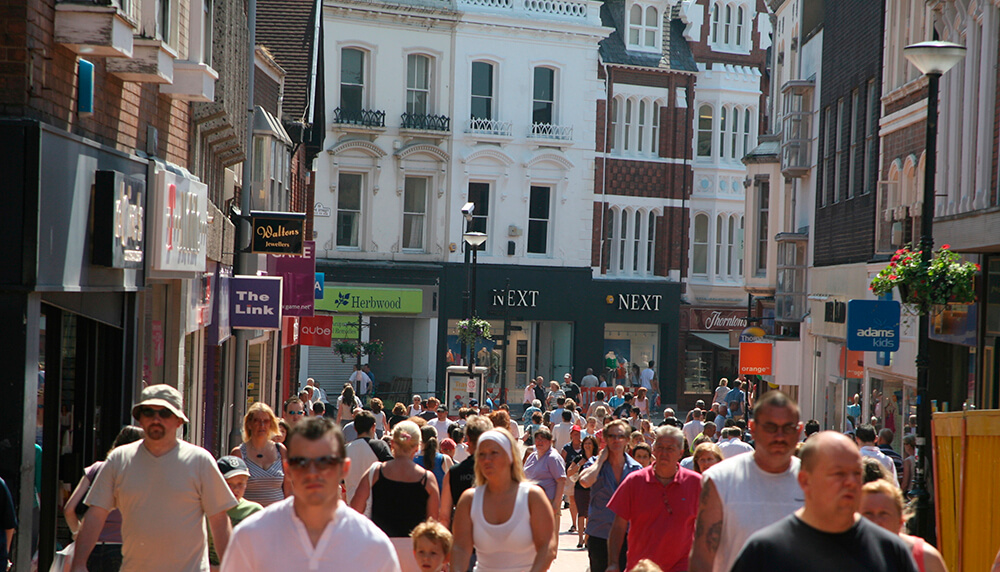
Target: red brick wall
[(632, 178), (703, 53)]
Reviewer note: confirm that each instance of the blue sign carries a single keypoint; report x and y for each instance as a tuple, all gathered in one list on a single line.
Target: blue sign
[(873, 325), (255, 302), (319, 284)]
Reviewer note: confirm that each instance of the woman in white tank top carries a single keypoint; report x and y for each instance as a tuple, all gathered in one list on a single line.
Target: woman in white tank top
[(506, 518)]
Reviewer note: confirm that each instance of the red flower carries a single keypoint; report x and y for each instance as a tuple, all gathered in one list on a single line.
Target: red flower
[(895, 258), (945, 246), (892, 277), (978, 268), (892, 264)]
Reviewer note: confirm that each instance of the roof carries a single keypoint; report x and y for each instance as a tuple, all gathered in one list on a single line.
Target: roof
[(266, 124), (766, 151), (676, 53), (287, 29)]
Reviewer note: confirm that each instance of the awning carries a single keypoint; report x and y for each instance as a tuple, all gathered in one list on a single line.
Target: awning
[(716, 339)]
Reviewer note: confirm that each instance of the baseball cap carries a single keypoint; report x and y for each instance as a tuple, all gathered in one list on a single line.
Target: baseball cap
[(473, 402), (567, 376), (231, 466), (442, 408), (575, 428), (162, 395)]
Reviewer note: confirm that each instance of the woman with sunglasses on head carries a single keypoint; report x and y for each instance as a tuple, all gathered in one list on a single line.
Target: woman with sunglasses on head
[(403, 493), (267, 484), (507, 519)]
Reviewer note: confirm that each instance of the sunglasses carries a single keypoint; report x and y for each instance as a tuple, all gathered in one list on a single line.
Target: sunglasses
[(150, 412), (324, 463), (296, 412)]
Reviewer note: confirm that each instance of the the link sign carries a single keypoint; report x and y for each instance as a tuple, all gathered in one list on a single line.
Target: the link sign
[(873, 325), (756, 352)]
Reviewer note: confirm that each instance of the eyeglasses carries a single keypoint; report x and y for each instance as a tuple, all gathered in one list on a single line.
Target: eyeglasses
[(772, 429), (614, 436), (296, 412), (324, 463), (163, 413)]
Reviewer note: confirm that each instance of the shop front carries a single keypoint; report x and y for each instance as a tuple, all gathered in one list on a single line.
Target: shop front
[(710, 346)]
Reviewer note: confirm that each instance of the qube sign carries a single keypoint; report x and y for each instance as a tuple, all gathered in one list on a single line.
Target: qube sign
[(316, 331), (255, 302), (873, 325)]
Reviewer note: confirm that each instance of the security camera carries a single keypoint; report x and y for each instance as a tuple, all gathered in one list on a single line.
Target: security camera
[(468, 209)]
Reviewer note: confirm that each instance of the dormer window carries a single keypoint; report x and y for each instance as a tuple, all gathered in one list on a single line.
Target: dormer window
[(643, 27), (730, 24)]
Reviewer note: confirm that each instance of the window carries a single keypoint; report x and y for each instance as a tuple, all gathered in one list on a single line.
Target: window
[(828, 150), (609, 238), (763, 201), (628, 125), (544, 96), (538, 220), (634, 24), (739, 250), (734, 128), (349, 209), (642, 124), (870, 115), (651, 27), (730, 244), (705, 121), (852, 172), (729, 22), (163, 27), (722, 132), (642, 32), (838, 170), (414, 212), (790, 293), (700, 245), (623, 239), (654, 148), (715, 24), (636, 245), (739, 27), (206, 32), (418, 84), (746, 131), (479, 195), (482, 90), (612, 144), (352, 79), (650, 236), (719, 245)]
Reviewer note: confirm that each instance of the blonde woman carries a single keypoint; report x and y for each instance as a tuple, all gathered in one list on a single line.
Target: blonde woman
[(507, 519), (263, 456), (706, 455), (403, 493), (882, 503)]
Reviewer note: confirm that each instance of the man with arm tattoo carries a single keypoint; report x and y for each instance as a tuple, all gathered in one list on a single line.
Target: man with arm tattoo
[(748, 492)]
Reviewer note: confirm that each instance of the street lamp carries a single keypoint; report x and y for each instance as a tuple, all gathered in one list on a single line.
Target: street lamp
[(932, 59), (473, 240)]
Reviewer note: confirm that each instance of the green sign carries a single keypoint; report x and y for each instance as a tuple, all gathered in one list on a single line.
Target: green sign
[(344, 328), (347, 299)]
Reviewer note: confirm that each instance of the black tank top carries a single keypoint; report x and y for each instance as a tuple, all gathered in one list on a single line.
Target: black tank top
[(398, 507)]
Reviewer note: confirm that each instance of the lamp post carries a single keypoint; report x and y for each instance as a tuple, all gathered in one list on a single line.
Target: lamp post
[(473, 240), (933, 59)]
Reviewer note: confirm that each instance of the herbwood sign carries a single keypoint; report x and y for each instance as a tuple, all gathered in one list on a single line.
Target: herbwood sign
[(278, 233)]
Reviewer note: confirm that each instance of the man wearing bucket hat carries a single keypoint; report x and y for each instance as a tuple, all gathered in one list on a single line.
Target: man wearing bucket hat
[(164, 488)]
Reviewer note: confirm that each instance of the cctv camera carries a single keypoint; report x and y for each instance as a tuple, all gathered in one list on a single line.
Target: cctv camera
[(467, 210)]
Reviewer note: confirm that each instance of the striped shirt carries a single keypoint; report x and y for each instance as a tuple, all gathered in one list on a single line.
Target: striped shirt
[(265, 485)]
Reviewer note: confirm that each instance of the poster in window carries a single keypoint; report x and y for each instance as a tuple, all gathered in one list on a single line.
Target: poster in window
[(522, 364)]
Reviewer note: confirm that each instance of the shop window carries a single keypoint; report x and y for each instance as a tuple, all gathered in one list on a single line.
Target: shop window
[(705, 120), (418, 85), (538, 220), (627, 344), (697, 371), (482, 90), (352, 80), (479, 194), (414, 213), (349, 191), (700, 245)]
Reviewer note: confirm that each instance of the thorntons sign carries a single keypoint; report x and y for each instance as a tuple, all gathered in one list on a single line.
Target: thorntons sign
[(703, 319)]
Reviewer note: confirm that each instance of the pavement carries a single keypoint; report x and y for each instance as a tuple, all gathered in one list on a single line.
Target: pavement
[(569, 558)]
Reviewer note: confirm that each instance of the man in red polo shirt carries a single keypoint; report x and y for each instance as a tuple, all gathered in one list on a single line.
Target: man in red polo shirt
[(657, 506)]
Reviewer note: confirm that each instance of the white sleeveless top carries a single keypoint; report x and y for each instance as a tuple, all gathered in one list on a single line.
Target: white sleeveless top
[(751, 499), (507, 547)]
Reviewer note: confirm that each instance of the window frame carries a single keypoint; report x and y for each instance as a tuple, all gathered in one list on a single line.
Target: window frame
[(480, 222), (547, 221), (699, 248), (365, 70), (358, 231), (491, 98), (428, 91), (705, 135), (424, 215), (553, 94), (763, 225)]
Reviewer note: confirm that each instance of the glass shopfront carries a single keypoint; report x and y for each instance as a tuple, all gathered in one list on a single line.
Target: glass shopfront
[(628, 345)]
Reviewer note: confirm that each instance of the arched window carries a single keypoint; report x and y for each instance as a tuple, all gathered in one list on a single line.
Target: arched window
[(654, 148), (739, 27), (705, 120), (730, 245), (636, 245), (651, 26), (612, 143), (642, 126), (418, 84), (729, 25), (650, 236), (719, 245), (700, 245), (722, 132), (746, 131), (609, 238), (634, 24), (623, 239), (628, 125), (733, 129), (715, 24)]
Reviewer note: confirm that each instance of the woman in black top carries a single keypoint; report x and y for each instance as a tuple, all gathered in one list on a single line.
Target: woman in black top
[(398, 414), (590, 449)]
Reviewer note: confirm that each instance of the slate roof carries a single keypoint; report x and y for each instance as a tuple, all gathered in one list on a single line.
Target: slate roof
[(287, 29), (676, 52)]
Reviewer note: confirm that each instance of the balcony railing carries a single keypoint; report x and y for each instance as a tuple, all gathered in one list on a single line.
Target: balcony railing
[(425, 122), (490, 127), (550, 131), (359, 117), (556, 9)]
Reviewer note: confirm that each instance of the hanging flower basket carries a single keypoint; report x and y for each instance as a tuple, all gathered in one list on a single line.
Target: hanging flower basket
[(472, 330), (946, 280), (373, 349), (354, 349)]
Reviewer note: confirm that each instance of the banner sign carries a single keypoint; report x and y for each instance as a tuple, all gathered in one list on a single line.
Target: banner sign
[(278, 233), (289, 331), (344, 328), (855, 363), (119, 220), (319, 285), (219, 330), (255, 302), (873, 325), (756, 358), (298, 272), (316, 331), (350, 299), (178, 241)]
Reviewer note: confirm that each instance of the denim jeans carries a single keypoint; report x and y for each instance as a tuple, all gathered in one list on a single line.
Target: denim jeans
[(105, 558)]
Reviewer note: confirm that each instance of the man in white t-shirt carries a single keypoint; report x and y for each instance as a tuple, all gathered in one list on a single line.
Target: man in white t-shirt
[(647, 378), (693, 427), (164, 488), (589, 380), (313, 529), (742, 495), (442, 423), (360, 381), (732, 443), (561, 430)]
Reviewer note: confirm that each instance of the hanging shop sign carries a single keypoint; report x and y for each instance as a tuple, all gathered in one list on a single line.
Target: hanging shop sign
[(344, 328), (636, 302), (852, 364), (298, 293), (756, 358), (316, 331), (319, 285), (178, 242), (219, 330), (873, 325), (278, 232), (371, 300), (119, 220), (515, 298), (255, 302)]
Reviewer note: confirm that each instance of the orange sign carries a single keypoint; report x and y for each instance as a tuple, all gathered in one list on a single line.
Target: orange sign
[(755, 358), (855, 364)]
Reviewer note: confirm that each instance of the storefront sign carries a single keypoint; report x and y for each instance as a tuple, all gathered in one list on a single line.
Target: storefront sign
[(637, 302), (200, 299), (316, 331), (753, 335), (372, 300), (289, 331), (703, 319), (219, 330), (179, 239), (298, 293), (515, 298), (873, 325), (756, 358), (853, 362), (255, 302), (278, 233), (119, 220), (344, 327), (319, 285)]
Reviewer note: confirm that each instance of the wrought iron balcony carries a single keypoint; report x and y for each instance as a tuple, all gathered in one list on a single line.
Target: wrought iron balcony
[(360, 117), (490, 127), (425, 122), (551, 131)]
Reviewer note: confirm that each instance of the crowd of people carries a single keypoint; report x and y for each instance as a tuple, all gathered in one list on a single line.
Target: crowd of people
[(738, 484)]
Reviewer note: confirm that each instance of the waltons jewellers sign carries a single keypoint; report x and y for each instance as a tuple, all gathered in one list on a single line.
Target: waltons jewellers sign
[(346, 299)]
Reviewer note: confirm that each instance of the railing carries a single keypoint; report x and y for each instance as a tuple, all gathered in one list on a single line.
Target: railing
[(550, 131), (361, 117), (568, 8), (490, 127), (502, 4), (425, 122)]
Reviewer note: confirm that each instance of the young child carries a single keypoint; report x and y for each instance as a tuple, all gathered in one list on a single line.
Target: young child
[(431, 545), (235, 471)]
